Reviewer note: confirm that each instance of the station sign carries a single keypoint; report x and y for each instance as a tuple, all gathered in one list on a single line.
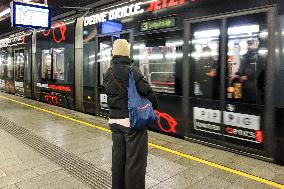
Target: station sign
[(131, 10), (30, 15)]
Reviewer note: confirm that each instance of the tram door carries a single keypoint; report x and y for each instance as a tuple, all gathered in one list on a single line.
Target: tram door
[(20, 61), (103, 59), (227, 61), (3, 70), (10, 80), (204, 80)]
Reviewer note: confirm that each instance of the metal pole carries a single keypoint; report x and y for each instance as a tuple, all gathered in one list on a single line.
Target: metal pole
[(131, 41), (269, 117), (186, 79), (96, 74), (33, 67), (223, 67), (79, 65)]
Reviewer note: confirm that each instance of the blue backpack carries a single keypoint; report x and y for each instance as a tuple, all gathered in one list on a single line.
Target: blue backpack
[(141, 112)]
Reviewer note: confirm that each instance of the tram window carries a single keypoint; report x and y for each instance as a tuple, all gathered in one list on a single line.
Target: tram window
[(104, 56), (10, 67), (27, 67), (246, 55), (204, 60), (2, 63), (46, 64), (157, 57), (89, 62), (58, 63), (20, 61)]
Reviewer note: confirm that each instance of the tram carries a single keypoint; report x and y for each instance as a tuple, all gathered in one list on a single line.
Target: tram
[(216, 66)]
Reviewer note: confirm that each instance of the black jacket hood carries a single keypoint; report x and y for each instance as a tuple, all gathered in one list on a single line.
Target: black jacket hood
[(121, 60)]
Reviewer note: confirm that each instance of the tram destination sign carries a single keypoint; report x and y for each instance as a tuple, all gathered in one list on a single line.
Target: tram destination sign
[(158, 24)]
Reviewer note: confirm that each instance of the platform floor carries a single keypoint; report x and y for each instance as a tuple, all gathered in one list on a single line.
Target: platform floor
[(43, 150)]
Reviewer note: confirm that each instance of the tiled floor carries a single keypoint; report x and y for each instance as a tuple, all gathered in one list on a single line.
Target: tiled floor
[(22, 167)]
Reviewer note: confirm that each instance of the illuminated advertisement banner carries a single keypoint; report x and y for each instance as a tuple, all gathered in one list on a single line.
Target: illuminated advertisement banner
[(4, 42), (117, 13), (18, 38), (131, 10), (162, 4), (14, 39)]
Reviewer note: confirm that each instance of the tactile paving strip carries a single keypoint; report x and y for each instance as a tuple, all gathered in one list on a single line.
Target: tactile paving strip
[(84, 170)]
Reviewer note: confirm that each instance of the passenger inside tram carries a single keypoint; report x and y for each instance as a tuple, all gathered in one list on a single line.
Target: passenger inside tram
[(208, 67), (246, 74)]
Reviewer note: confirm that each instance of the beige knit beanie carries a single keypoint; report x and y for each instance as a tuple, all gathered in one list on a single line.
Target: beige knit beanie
[(120, 48)]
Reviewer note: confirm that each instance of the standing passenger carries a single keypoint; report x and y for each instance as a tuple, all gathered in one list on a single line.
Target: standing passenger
[(130, 147), (247, 71)]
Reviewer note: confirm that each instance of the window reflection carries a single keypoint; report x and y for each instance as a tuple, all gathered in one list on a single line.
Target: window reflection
[(10, 67), (53, 64), (27, 69), (204, 61), (157, 60), (2, 64), (20, 62), (104, 57), (46, 64), (58, 63), (244, 68)]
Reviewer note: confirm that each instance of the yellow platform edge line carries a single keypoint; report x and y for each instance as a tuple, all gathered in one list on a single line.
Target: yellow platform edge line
[(165, 149)]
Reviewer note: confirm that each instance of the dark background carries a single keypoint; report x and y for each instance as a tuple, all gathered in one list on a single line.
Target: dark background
[(55, 5)]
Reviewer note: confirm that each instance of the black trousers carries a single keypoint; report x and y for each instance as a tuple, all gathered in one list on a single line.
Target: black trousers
[(129, 157)]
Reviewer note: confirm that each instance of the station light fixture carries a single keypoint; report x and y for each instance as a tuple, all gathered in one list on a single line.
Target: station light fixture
[(5, 12)]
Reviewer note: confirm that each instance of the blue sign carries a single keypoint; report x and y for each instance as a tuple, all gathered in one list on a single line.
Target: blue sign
[(111, 27)]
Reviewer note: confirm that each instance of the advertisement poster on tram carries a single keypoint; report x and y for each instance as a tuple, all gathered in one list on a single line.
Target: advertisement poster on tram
[(235, 125)]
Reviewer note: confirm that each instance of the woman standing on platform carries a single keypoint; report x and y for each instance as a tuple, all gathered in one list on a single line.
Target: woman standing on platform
[(130, 147)]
